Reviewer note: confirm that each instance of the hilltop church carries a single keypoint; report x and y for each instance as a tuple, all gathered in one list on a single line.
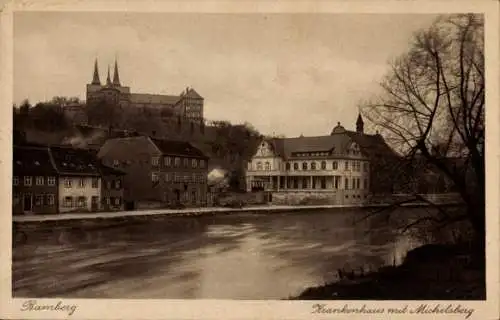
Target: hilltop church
[(188, 104)]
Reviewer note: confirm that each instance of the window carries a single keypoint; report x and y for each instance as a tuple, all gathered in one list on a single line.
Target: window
[(259, 165), (335, 165), (27, 181), (323, 183), (68, 202), (336, 182), (353, 183), (108, 201), (108, 184), (167, 161), (38, 200), (15, 180), (194, 163), (365, 167), (117, 201), (358, 183), (116, 163), (167, 176), (67, 183), (346, 183), (366, 184), (186, 162), (51, 181), (287, 166), (82, 202), (313, 165), (177, 162), (268, 166), (347, 165), (323, 165), (155, 161), (39, 181), (155, 177), (295, 166), (202, 163), (95, 182), (50, 199), (304, 165), (81, 182), (118, 184)]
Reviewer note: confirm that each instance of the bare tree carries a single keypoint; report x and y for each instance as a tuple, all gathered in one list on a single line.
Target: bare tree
[(432, 105)]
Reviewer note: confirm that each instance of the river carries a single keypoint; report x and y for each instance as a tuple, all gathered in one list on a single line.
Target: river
[(240, 256)]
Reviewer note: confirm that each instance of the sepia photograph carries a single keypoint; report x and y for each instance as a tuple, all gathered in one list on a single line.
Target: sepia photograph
[(240, 156)]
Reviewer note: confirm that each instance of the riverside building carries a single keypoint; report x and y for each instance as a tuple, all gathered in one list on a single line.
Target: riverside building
[(340, 168)]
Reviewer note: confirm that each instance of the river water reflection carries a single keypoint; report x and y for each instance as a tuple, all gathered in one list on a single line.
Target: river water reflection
[(244, 256)]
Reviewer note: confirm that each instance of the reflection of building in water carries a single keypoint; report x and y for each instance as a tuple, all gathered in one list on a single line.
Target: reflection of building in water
[(339, 168)]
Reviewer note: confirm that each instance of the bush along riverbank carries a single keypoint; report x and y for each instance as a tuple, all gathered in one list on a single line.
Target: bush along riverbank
[(429, 272)]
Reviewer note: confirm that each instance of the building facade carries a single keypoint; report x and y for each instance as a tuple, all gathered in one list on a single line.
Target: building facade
[(34, 181), (158, 173), (61, 179), (334, 169), (112, 195), (189, 104), (79, 179)]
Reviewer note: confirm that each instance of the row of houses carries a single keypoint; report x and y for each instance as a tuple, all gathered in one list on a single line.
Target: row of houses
[(124, 174), (57, 179)]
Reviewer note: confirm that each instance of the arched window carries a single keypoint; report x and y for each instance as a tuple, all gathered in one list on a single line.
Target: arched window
[(323, 165), (335, 165), (295, 166), (259, 165), (287, 166), (304, 165), (268, 166), (313, 165)]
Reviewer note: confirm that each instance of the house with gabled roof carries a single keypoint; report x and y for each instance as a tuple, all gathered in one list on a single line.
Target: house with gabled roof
[(339, 168), (34, 180), (158, 172), (58, 179)]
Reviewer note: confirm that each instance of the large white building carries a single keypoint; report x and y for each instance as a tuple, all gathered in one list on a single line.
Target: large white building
[(335, 169)]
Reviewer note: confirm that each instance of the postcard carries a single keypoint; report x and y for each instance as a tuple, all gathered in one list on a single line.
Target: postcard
[(249, 160)]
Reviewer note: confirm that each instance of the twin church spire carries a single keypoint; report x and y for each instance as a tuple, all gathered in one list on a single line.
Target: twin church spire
[(116, 77)]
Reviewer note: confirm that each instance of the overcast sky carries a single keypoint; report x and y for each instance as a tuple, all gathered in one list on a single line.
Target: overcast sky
[(287, 74)]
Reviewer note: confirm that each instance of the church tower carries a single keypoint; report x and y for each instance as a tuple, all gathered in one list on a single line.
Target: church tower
[(96, 80), (116, 76), (360, 125), (108, 79)]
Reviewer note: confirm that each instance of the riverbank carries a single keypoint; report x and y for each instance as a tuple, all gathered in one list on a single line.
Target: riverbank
[(264, 209), (430, 272)]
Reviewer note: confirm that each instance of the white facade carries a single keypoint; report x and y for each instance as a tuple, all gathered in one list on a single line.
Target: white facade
[(79, 193), (343, 176)]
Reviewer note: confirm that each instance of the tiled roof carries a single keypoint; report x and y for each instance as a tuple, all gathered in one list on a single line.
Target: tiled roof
[(153, 98), (73, 161), (179, 148), (336, 142), (191, 93), (107, 171), (372, 145), (30, 160)]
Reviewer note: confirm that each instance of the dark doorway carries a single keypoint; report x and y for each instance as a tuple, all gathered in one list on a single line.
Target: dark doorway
[(95, 203), (27, 202), (129, 205), (177, 196)]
